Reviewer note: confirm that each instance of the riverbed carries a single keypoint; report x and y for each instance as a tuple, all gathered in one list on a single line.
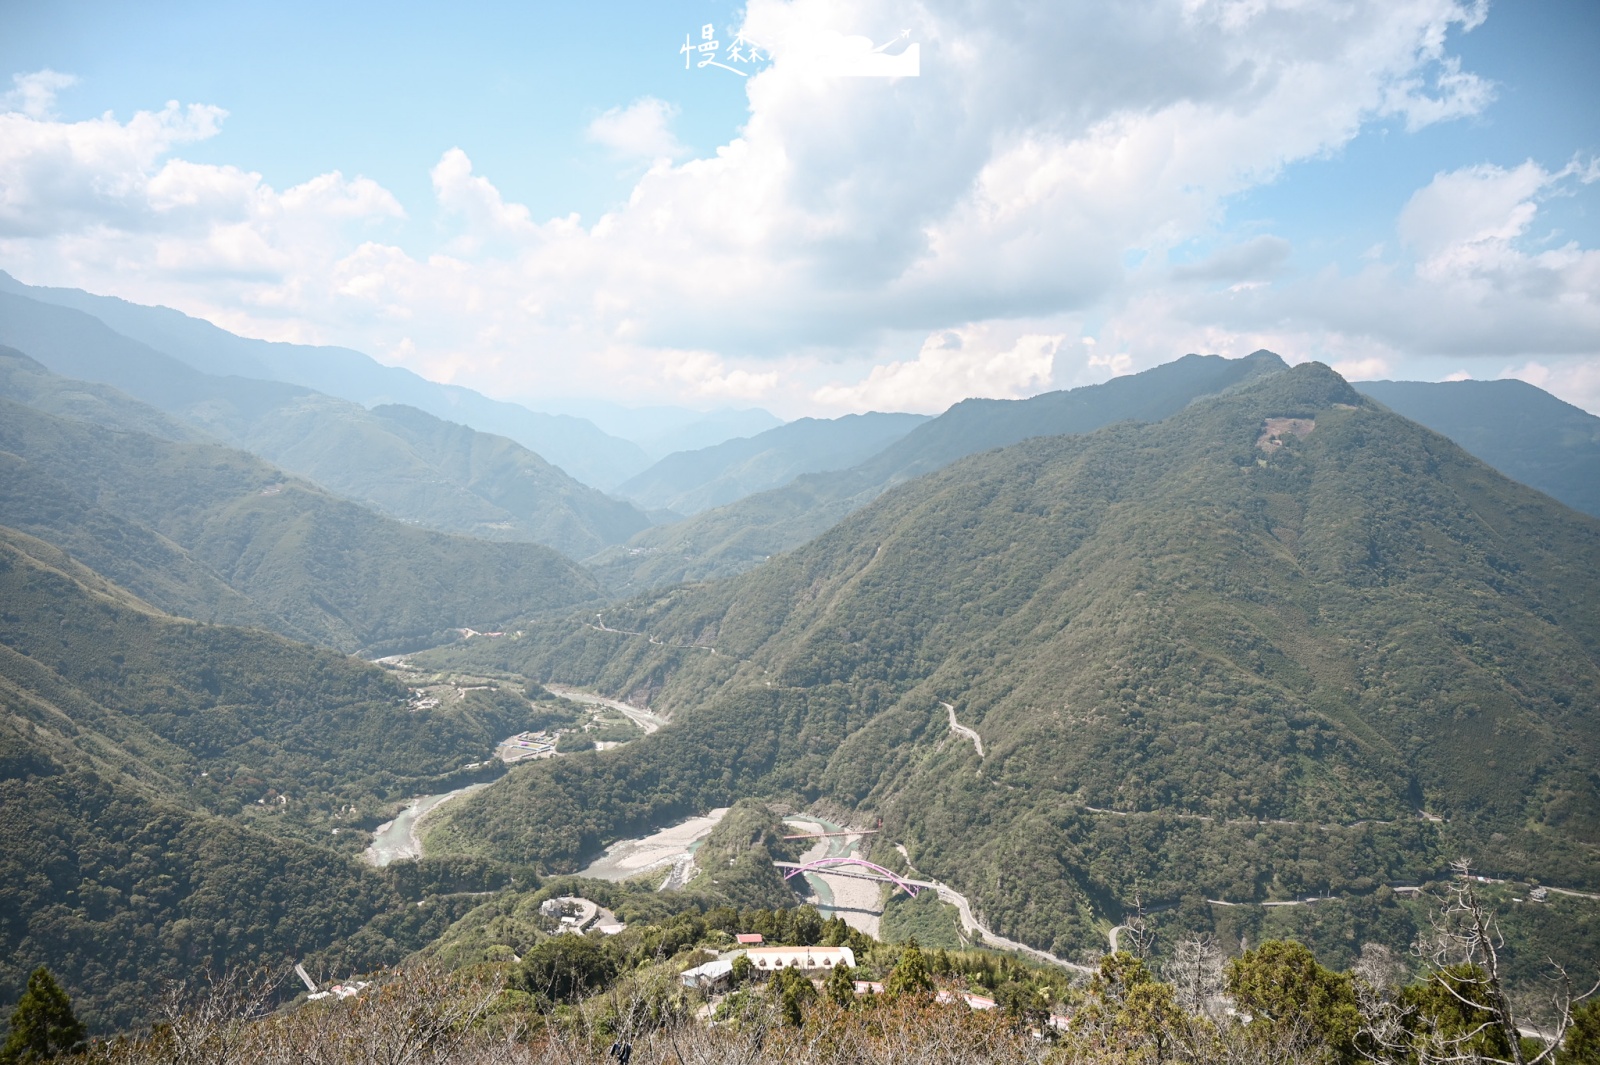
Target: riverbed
[(859, 902), (671, 846), (397, 840)]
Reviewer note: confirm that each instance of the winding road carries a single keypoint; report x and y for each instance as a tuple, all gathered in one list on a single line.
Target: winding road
[(599, 625), (637, 714), (971, 924), (961, 730)]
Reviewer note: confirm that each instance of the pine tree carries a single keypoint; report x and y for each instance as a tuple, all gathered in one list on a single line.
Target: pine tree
[(910, 975), (840, 986), (43, 1025), (794, 992)]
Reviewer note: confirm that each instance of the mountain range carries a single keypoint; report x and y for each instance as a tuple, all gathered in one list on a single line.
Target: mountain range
[(688, 482), (1282, 643), (216, 534), (574, 444), (398, 459), (733, 538), (1215, 635), (1522, 431), (171, 789)]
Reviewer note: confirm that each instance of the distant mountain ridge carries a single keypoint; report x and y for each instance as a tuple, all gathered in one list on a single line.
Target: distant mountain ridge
[(576, 445), (1522, 431), (733, 538), (209, 532), (691, 481), (415, 467)]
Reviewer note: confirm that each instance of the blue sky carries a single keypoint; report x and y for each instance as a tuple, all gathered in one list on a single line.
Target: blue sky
[(382, 89), (541, 202)]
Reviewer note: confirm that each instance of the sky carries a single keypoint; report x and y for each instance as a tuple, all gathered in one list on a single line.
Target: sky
[(841, 206)]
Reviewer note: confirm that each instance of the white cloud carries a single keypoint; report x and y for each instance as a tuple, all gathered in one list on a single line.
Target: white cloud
[(994, 201), (1254, 260), (1457, 94), (1463, 216), (1480, 284), (59, 178), (952, 365), (642, 130), (708, 376), (1372, 368), (1575, 380), (34, 95)]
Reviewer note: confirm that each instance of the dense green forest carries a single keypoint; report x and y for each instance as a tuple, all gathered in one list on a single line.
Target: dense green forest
[(1283, 643), (735, 861), (731, 539), (210, 532), (182, 797)]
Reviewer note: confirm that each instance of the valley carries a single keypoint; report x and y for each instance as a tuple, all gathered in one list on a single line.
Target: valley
[(1231, 626), (1225, 648), (800, 532)]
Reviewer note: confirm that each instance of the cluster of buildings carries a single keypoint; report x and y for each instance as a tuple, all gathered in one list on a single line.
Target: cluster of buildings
[(813, 962), (525, 745), (348, 989), (576, 914)]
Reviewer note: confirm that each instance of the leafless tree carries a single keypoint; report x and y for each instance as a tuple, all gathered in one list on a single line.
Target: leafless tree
[(1461, 954), (1137, 933), (209, 1023), (1195, 971)]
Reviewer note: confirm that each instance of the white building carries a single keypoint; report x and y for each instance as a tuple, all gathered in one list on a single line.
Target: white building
[(806, 959), (711, 976)]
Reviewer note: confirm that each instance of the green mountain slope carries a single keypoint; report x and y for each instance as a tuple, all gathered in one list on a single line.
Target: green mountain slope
[(691, 481), (734, 538), (410, 465), (167, 785), (1522, 431), (535, 499), (207, 531), (575, 444), (132, 554), (1234, 655)]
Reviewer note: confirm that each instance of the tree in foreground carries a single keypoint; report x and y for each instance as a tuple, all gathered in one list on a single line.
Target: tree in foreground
[(910, 975), (43, 1025), (840, 987), (1461, 1011)]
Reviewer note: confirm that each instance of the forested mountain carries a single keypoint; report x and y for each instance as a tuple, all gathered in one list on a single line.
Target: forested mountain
[(1283, 643), (400, 460), (733, 538), (166, 785), (574, 444), (209, 532), (1522, 431), (691, 481)]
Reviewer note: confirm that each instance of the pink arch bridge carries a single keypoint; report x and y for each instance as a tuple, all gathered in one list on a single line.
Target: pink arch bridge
[(821, 863)]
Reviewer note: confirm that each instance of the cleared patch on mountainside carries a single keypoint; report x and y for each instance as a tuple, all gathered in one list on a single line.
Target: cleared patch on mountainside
[(1275, 429)]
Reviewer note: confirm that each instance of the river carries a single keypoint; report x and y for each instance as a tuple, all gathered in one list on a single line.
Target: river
[(397, 840)]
